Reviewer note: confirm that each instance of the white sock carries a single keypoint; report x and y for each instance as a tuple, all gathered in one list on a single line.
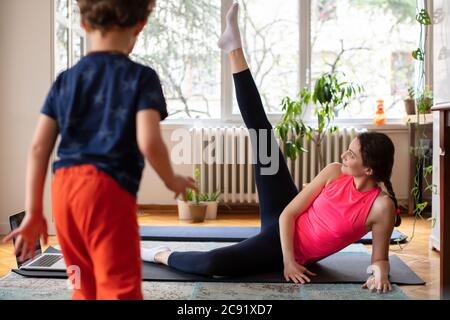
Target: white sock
[(231, 37), (148, 255)]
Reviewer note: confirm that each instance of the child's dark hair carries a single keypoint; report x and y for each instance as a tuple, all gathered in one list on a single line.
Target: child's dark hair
[(377, 151), (104, 15)]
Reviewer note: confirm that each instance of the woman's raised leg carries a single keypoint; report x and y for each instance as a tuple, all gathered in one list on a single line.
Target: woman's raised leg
[(274, 183)]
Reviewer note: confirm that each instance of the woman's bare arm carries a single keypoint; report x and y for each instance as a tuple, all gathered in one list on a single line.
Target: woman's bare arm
[(300, 203), (383, 220), (383, 217)]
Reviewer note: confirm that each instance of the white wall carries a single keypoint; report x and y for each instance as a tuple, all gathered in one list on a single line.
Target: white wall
[(25, 77), (152, 189)]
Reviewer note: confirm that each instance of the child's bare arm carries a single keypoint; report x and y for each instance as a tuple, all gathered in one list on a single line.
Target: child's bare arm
[(152, 146), (34, 224), (38, 158)]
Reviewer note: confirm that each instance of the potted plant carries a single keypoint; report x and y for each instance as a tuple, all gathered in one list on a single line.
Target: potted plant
[(425, 101), (197, 209), (410, 102), (193, 209), (330, 95), (212, 203), (183, 206)]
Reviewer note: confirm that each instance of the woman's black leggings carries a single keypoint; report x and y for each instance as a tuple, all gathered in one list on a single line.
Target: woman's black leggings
[(261, 253)]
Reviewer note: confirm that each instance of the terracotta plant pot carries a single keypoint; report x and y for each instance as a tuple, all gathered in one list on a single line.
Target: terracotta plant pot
[(198, 212), (410, 106)]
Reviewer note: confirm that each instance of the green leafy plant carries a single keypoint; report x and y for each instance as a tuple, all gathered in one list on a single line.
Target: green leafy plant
[(190, 195), (423, 17), (411, 93), (196, 194), (425, 101), (418, 54), (198, 197), (330, 95), (210, 197)]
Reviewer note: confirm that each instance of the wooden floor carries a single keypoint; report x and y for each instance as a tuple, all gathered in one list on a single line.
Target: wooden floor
[(416, 254)]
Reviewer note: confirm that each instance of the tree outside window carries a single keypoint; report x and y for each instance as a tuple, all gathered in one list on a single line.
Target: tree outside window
[(371, 42), (368, 40)]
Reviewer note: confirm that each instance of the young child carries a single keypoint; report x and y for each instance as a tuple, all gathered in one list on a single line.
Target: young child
[(107, 110)]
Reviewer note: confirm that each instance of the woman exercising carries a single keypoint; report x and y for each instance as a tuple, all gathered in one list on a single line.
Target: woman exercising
[(337, 208)]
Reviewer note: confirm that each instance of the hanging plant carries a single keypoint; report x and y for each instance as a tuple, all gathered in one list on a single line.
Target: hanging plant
[(423, 17), (424, 100), (418, 54)]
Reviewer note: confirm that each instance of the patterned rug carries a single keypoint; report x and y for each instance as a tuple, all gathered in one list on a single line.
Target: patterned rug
[(16, 287)]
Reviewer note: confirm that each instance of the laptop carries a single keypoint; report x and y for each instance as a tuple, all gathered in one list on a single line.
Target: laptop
[(41, 261)]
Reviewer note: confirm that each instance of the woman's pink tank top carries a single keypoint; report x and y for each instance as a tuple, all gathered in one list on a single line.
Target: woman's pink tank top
[(335, 219)]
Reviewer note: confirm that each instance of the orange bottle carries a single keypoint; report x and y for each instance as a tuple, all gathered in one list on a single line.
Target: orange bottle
[(380, 116)]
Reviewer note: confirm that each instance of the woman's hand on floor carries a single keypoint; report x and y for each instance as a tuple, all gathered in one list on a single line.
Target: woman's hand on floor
[(378, 282), (297, 273), (31, 229)]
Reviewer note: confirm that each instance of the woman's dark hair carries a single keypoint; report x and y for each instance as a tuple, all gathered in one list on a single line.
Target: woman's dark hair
[(377, 151), (107, 14)]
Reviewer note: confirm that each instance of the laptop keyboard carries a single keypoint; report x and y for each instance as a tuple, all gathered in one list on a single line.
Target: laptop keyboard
[(46, 261)]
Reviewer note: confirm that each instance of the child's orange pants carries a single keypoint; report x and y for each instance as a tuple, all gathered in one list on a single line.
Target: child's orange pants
[(97, 229)]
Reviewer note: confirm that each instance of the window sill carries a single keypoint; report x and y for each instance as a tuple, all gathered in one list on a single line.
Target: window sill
[(173, 124)]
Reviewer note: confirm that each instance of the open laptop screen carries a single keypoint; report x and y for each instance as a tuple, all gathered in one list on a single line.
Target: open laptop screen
[(15, 221)]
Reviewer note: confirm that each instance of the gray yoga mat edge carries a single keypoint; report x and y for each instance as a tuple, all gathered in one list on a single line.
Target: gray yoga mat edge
[(338, 268), (223, 234)]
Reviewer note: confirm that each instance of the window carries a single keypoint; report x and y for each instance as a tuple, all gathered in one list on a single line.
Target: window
[(70, 41), (371, 43), (180, 44), (270, 37), (368, 40)]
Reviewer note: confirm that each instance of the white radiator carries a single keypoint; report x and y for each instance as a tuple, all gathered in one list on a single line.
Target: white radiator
[(224, 156)]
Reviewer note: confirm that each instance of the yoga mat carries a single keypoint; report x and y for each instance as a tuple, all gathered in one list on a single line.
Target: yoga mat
[(396, 237), (337, 268), (197, 234), (223, 234)]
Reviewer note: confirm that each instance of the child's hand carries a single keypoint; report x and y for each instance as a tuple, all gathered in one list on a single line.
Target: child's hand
[(179, 184), (31, 229), (297, 273)]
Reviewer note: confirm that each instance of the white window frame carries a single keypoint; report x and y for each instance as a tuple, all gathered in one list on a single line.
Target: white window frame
[(230, 119), (227, 87), (304, 72), (74, 29)]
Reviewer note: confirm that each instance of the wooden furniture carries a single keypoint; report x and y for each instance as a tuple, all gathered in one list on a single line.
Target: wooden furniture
[(444, 192)]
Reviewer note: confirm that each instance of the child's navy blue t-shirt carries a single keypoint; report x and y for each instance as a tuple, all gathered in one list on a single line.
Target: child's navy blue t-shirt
[(94, 104)]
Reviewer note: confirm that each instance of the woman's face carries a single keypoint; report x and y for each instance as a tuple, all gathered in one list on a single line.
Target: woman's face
[(352, 163)]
